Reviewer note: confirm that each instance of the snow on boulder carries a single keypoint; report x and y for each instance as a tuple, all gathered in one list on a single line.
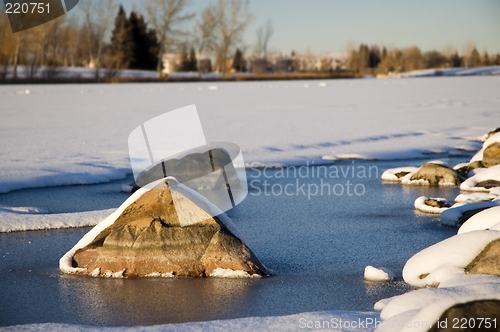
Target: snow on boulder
[(431, 205), (421, 309), (494, 137), (488, 261), (433, 173), (481, 221), (446, 259), (459, 213), (162, 232), (396, 174), (378, 274), (483, 180), (475, 197)]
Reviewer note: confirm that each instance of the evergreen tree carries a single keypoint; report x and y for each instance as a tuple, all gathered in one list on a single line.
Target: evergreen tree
[(475, 58), (486, 59), (121, 42), (193, 62), (185, 64), (364, 56), (238, 63), (145, 44), (456, 60), (374, 57)]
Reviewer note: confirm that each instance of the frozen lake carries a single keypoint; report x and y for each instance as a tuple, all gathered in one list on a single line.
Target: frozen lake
[(317, 248)]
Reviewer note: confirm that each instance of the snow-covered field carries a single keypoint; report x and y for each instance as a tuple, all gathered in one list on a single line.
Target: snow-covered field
[(77, 134), (72, 134)]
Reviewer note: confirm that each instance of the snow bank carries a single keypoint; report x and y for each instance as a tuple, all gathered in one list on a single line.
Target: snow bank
[(378, 274), (421, 206), (475, 197), (483, 220), (451, 216), (418, 310), (481, 174), (12, 221), (487, 70), (298, 322), (390, 174), (446, 259)]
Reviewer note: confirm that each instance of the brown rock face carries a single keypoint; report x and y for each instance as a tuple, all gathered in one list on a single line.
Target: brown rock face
[(436, 175), (488, 261), (491, 155), (467, 316), (147, 238)]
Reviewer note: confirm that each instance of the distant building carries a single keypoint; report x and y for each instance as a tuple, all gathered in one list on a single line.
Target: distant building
[(278, 63), (172, 63)]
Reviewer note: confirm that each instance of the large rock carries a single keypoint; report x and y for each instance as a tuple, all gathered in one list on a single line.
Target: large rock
[(491, 155), (488, 261), (468, 316), (165, 233), (434, 174)]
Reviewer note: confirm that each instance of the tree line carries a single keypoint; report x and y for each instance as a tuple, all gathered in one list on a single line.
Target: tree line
[(140, 40), (371, 59)]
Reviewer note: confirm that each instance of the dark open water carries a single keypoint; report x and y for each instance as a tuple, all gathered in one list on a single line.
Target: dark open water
[(317, 248)]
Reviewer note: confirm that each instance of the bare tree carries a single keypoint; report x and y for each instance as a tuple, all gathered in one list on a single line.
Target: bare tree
[(232, 18), (264, 34), (165, 16), (204, 33), (98, 18)]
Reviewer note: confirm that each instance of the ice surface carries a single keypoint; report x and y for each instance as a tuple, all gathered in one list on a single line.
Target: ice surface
[(446, 259)]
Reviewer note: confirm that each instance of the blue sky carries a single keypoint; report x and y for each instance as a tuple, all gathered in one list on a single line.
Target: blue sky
[(329, 25)]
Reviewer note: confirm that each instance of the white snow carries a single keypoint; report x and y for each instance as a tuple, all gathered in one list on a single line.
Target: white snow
[(421, 206), (228, 273), (390, 174), (485, 219), (378, 274), (475, 197), (481, 174), (307, 321), (446, 259), (12, 221), (487, 70)]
